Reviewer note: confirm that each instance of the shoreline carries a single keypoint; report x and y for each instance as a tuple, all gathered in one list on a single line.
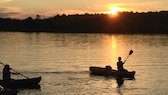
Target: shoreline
[(124, 23)]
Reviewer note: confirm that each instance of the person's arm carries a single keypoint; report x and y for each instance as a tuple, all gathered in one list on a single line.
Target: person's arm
[(15, 73)]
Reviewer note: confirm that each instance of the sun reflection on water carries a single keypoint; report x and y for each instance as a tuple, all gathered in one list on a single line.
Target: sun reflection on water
[(115, 47)]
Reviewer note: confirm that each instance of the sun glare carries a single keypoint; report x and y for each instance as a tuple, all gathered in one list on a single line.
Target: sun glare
[(114, 10)]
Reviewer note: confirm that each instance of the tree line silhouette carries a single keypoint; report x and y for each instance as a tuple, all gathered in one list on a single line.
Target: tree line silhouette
[(124, 22)]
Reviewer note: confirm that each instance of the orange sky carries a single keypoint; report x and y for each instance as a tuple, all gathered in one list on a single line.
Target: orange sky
[(47, 8)]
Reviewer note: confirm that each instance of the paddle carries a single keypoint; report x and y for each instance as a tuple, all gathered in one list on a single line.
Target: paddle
[(15, 71), (130, 52)]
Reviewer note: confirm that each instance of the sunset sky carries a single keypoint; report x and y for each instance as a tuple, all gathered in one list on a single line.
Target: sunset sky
[(48, 8)]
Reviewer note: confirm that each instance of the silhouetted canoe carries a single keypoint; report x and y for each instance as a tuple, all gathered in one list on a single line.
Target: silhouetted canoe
[(22, 83), (110, 72)]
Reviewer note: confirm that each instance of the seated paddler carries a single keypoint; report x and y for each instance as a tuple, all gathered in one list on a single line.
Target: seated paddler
[(120, 66), (7, 73)]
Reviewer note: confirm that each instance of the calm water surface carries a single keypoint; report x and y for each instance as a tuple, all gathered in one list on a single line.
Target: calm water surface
[(63, 61)]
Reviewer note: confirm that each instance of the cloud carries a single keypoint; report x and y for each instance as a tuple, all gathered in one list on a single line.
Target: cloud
[(10, 12), (64, 11), (19, 13), (141, 6), (5, 0), (9, 9)]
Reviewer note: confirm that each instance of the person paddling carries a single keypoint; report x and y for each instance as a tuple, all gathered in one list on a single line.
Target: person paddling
[(7, 73), (120, 65)]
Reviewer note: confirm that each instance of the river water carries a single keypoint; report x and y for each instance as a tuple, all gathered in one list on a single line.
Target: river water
[(63, 61)]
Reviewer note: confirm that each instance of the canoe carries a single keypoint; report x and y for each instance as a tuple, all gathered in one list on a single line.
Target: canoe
[(107, 71), (22, 83)]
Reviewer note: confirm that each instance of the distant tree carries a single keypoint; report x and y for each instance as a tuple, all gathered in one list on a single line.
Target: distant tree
[(63, 15), (87, 14), (38, 16), (29, 18)]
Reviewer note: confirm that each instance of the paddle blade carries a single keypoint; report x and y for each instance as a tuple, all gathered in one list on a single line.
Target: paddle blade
[(131, 51)]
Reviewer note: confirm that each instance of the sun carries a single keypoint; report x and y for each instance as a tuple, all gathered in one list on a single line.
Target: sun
[(115, 10)]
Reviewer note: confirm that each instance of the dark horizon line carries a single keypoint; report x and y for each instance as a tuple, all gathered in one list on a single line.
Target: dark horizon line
[(126, 22)]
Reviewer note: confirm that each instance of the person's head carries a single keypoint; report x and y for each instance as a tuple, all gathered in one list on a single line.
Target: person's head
[(119, 58), (7, 66)]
